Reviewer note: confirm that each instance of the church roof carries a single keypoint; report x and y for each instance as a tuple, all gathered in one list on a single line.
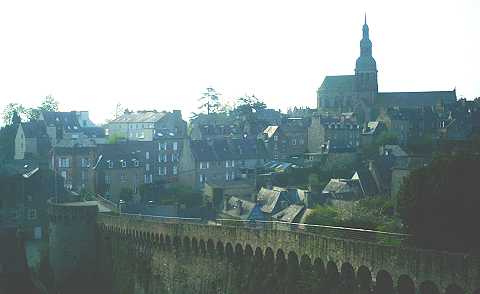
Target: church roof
[(416, 99), (335, 83)]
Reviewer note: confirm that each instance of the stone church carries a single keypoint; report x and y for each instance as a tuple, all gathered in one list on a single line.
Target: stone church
[(359, 92)]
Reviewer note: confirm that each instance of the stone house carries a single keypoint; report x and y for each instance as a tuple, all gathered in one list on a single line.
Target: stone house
[(24, 191), (286, 140), (73, 160), (119, 168), (144, 125), (31, 141), (219, 162), (332, 134), (167, 149)]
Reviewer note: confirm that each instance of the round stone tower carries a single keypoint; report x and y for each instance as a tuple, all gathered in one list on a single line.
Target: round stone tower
[(72, 245)]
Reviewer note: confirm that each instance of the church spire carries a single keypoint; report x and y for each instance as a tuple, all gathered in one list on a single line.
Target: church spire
[(365, 63)]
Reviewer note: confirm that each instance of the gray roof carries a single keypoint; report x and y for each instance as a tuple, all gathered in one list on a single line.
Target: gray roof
[(270, 131), (335, 83), (289, 214), (228, 149), (416, 99), (68, 120), (239, 208), (343, 188), (269, 198), (140, 117), (34, 129)]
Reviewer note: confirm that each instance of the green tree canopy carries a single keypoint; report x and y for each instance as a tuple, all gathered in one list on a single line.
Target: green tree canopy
[(439, 204), (48, 104)]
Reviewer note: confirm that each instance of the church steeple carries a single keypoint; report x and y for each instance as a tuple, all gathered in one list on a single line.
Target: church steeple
[(366, 62)]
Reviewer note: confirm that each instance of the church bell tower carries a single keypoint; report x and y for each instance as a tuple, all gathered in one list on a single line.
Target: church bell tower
[(366, 85)]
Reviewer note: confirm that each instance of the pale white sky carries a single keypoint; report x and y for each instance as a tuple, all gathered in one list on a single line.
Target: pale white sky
[(91, 54)]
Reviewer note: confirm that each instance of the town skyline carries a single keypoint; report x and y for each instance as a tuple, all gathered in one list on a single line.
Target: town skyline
[(279, 61)]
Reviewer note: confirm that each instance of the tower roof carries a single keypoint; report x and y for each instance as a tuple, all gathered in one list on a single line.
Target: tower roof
[(366, 62)]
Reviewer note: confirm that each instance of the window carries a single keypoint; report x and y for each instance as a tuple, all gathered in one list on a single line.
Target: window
[(136, 163), (203, 179), (162, 170), (147, 155), (124, 163), (204, 164), (227, 176), (147, 166), (84, 162), (275, 138), (175, 146), (162, 146), (301, 142), (32, 214), (64, 162), (230, 163), (294, 141), (165, 158), (110, 163), (175, 170)]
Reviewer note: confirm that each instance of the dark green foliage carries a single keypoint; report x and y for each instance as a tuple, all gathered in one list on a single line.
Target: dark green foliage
[(385, 138), (374, 213), (174, 194), (439, 204), (7, 142), (126, 194)]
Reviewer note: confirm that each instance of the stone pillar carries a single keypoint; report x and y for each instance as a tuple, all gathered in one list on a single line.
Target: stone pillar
[(72, 245)]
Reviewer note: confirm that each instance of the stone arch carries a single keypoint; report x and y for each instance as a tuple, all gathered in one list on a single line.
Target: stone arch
[(229, 251), (332, 277), (454, 289), (194, 245), (202, 247), (258, 253), (293, 272), (428, 287), (319, 267), (383, 283), (187, 244), (210, 247), (162, 242), (364, 279), (177, 242), (405, 285), (238, 250), (220, 249), (347, 278), (248, 252), (168, 242)]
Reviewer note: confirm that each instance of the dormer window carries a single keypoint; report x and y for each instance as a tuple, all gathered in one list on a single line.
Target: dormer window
[(136, 163), (124, 163), (110, 163)]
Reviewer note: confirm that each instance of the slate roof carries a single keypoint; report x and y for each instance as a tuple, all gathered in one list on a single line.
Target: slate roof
[(270, 131), (343, 189), (335, 83), (34, 129), (94, 132), (367, 182), (269, 198), (140, 117), (234, 204), (290, 213), (118, 153), (68, 120), (415, 99), (227, 149)]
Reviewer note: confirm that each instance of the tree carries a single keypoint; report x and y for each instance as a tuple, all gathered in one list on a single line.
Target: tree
[(11, 112), (48, 104), (210, 101), (247, 104), (439, 203)]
